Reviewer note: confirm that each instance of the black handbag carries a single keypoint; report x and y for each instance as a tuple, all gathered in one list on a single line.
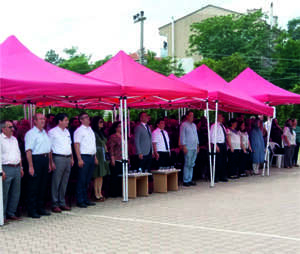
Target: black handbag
[(107, 156)]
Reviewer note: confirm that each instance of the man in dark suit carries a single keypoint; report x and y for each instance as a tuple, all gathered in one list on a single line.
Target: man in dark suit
[(143, 142)]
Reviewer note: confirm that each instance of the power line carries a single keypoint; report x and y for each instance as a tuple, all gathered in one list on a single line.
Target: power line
[(256, 57)]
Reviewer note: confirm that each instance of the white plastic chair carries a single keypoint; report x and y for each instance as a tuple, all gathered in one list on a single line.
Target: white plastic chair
[(279, 157)]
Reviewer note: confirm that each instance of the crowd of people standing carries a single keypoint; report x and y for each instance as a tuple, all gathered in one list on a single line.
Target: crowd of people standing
[(58, 149)]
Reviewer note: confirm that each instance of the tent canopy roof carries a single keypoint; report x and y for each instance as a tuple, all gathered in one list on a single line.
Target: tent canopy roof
[(218, 89), (24, 75), (137, 80), (254, 85)]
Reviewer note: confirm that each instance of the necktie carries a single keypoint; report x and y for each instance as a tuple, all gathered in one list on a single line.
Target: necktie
[(165, 140), (147, 127), (223, 129)]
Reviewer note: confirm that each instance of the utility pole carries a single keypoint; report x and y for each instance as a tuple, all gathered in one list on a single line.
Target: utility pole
[(139, 17)]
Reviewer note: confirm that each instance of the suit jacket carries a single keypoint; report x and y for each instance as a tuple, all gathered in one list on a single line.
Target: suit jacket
[(143, 140)]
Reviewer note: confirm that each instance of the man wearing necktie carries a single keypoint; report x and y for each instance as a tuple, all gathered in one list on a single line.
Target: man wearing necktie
[(143, 142), (221, 149), (161, 144)]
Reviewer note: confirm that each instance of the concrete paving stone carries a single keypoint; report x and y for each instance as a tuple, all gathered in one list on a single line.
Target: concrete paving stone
[(251, 215)]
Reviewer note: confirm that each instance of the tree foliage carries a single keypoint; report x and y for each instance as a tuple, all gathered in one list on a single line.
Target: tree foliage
[(294, 28), (224, 35), (165, 65), (227, 67), (231, 43)]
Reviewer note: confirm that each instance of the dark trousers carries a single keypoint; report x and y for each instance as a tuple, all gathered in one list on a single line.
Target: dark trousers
[(37, 184), (201, 170), (146, 162), (234, 162), (115, 180), (245, 162), (84, 177), (164, 159), (295, 157), (221, 162)]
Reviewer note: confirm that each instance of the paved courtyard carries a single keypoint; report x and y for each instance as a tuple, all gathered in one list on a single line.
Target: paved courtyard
[(250, 215)]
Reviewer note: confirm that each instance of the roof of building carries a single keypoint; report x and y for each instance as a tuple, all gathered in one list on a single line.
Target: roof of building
[(194, 12)]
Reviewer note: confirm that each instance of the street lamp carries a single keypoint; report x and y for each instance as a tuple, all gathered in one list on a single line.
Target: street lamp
[(139, 17)]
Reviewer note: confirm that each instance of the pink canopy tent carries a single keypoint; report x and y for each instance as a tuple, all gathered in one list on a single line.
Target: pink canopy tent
[(254, 85), (251, 83), (135, 79), (24, 76), (231, 100)]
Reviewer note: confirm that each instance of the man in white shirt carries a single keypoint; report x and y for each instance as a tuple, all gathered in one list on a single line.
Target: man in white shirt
[(12, 170), (37, 147), (85, 148), (161, 144), (61, 160), (221, 149)]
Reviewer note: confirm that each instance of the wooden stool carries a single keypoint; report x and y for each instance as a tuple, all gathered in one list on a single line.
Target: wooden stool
[(138, 184), (165, 180)]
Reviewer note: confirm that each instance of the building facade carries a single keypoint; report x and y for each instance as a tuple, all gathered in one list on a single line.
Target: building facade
[(182, 32)]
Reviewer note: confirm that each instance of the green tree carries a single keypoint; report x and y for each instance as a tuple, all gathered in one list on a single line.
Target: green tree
[(12, 113), (53, 57), (227, 67), (294, 28), (100, 62), (249, 35), (165, 65), (77, 62), (286, 71)]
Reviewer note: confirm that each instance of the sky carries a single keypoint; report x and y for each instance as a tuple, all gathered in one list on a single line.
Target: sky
[(100, 28)]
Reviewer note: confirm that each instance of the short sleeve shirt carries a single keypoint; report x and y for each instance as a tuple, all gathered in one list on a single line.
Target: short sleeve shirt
[(290, 136), (60, 141), (37, 141), (86, 138), (158, 139)]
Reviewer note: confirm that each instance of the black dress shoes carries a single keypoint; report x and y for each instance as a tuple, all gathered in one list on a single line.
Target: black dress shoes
[(224, 180), (34, 215), (82, 205), (186, 184), (43, 212), (89, 203), (192, 183)]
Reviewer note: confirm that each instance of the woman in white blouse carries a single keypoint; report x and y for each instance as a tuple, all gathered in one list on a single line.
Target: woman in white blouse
[(234, 149), (289, 141), (245, 164)]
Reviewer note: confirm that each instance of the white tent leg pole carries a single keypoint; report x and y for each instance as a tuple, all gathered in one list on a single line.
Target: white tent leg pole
[(30, 115), (215, 145), (25, 113), (49, 110), (120, 116), (44, 111), (209, 145), (33, 109), (123, 148), (266, 159), (126, 149), (274, 116), (179, 115), (1, 192), (267, 156), (166, 113), (129, 133), (114, 113)]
